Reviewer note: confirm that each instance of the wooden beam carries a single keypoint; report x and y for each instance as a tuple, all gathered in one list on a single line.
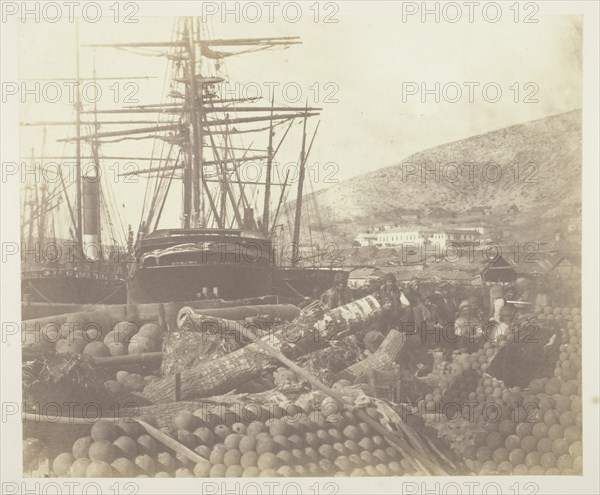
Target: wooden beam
[(171, 127), (284, 40), (143, 130), (206, 163), (179, 109)]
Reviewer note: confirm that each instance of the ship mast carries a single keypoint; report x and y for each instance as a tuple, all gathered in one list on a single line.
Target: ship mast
[(196, 217), (266, 207), (78, 200), (298, 213), (201, 124), (32, 204), (85, 205), (43, 201)]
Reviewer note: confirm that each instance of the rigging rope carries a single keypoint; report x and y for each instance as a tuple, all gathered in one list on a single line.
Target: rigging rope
[(315, 205), (170, 68), (146, 52)]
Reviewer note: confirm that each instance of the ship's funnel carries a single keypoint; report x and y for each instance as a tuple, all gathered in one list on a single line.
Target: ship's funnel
[(91, 219)]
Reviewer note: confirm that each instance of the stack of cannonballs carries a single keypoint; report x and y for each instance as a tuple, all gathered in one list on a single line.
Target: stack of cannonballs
[(128, 381), (89, 338), (513, 430), (531, 430), (236, 446), (79, 335), (541, 434), (538, 430), (457, 380), (111, 449)]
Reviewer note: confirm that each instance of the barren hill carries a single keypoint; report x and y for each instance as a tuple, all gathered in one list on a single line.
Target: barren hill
[(535, 165)]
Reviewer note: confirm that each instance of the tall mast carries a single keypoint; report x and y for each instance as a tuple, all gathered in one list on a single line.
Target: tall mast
[(78, 202), (194, 102), (265, 220), (91, 200), (32, 205), (296, 238), (189, 173), (196, 127), (97, 168), (223, 177), (42, 203)]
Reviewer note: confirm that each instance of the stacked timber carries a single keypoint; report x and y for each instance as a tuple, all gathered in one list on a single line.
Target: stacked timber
[(322, 432), (310, 331), (199, 337), (321, 413)]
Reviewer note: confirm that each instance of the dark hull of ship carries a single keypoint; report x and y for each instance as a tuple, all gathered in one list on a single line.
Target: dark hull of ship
[(186, 282), (304, 281), (189, 264), (75, 290), (185, 264)]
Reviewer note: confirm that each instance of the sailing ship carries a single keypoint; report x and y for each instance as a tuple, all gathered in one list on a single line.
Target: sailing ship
[(74, 240), (222, 247), (73, 266)]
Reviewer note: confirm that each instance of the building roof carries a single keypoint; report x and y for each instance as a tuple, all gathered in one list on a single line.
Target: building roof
[(401, 229), (535, 264), (460, 231), (567, 262)]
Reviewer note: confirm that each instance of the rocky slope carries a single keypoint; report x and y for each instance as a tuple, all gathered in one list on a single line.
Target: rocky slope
[(535, 165)]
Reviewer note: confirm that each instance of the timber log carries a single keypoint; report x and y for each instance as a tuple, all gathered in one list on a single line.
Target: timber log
[(293, 340)]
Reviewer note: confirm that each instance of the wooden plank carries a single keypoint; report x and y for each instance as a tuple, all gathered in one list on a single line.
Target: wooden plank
[(418, 458), (146, 359), (173, 444), (145, 311), (284, 312)]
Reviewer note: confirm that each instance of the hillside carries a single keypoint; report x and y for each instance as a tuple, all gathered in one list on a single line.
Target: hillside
[(550, 184)]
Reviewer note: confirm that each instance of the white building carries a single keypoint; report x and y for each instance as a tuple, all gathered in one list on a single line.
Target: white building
[(455, 237), (366, 239), (400, 236)]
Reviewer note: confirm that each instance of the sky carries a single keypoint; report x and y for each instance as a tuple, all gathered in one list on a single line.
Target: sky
[(366, 71)]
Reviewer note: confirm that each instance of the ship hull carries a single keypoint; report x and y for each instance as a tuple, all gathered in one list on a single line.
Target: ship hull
[(188, 282), (188, 264), (307, 282), (76, 290)]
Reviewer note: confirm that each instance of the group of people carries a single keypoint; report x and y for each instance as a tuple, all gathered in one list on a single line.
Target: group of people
[(448, 318), (420, 312)]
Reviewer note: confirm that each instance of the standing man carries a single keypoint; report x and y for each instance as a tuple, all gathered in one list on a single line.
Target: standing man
[(397, 309), (497, 301), (412, 293), (467, 326), (339, 294)]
